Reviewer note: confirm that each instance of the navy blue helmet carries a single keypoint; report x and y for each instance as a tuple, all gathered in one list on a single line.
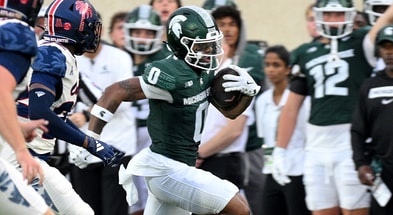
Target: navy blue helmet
[(74, 22), (25, 10)]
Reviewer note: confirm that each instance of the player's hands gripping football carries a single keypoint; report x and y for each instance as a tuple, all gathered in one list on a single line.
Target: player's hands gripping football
[(243, 83)]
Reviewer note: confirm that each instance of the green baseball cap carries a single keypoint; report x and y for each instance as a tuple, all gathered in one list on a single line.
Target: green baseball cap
[(385, 34)]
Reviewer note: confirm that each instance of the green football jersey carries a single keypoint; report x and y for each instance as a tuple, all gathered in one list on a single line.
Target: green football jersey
[(141, 107), (332, 85), (175, 128), (161, 54)]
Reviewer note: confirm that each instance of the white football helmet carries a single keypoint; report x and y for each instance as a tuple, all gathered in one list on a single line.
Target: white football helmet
[(375, 9), (143, 17), (334, 29)]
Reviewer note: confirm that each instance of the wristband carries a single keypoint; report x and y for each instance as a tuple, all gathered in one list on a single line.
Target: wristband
[(101, 113)]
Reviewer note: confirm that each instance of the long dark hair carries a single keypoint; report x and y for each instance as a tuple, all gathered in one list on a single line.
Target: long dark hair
[(281, 51)]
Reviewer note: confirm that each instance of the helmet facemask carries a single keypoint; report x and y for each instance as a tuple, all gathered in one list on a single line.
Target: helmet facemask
[(204, 54), (143, 46), (88, 41), (334, 29), (375, 9), (143, 18), (337, 29), (94, 41)]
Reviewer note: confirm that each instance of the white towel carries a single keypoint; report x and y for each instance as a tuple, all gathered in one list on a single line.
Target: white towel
[(126, 180)]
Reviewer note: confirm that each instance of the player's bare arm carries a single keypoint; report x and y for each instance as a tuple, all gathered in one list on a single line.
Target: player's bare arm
[(11, 131), (288, 119), (125, 90)]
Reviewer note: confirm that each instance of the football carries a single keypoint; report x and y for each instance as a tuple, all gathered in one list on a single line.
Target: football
[(218, 96)]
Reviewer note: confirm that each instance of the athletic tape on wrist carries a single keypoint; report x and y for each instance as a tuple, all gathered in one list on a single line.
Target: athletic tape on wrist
[(101, 113)]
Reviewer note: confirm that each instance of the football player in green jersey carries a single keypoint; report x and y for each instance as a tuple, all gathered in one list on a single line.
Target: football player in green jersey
[(331, 71), (178, 93), (143, 32)]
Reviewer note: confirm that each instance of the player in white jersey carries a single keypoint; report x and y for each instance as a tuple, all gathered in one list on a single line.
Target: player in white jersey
[(17, 47), (73, 28), (98, 70)]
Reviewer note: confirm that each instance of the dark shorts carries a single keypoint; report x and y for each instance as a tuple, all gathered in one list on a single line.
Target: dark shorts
[(229, 166)]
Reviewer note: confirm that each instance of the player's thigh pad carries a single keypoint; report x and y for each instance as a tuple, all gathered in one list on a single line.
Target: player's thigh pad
[(155, 206), (194, 190), (320, 187), (16, 197), (352, 193)]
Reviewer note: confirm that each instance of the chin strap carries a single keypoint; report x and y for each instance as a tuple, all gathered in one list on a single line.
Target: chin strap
[(333, 51)]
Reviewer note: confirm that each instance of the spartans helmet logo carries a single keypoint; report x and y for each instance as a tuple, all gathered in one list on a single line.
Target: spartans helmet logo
[(175, 26)]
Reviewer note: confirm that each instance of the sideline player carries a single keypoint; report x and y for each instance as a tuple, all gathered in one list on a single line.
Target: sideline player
[(331, 71)]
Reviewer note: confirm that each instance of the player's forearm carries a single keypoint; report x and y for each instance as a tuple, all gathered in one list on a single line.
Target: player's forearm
[(9, 127), (286, 127), (39, 108), (359, 150), (225, 137), (213, 146), (114, 95), (107, 104), (359, 135), (288, 119)]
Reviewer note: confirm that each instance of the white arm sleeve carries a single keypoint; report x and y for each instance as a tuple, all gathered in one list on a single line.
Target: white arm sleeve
[(152, 92), (369, 51)]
